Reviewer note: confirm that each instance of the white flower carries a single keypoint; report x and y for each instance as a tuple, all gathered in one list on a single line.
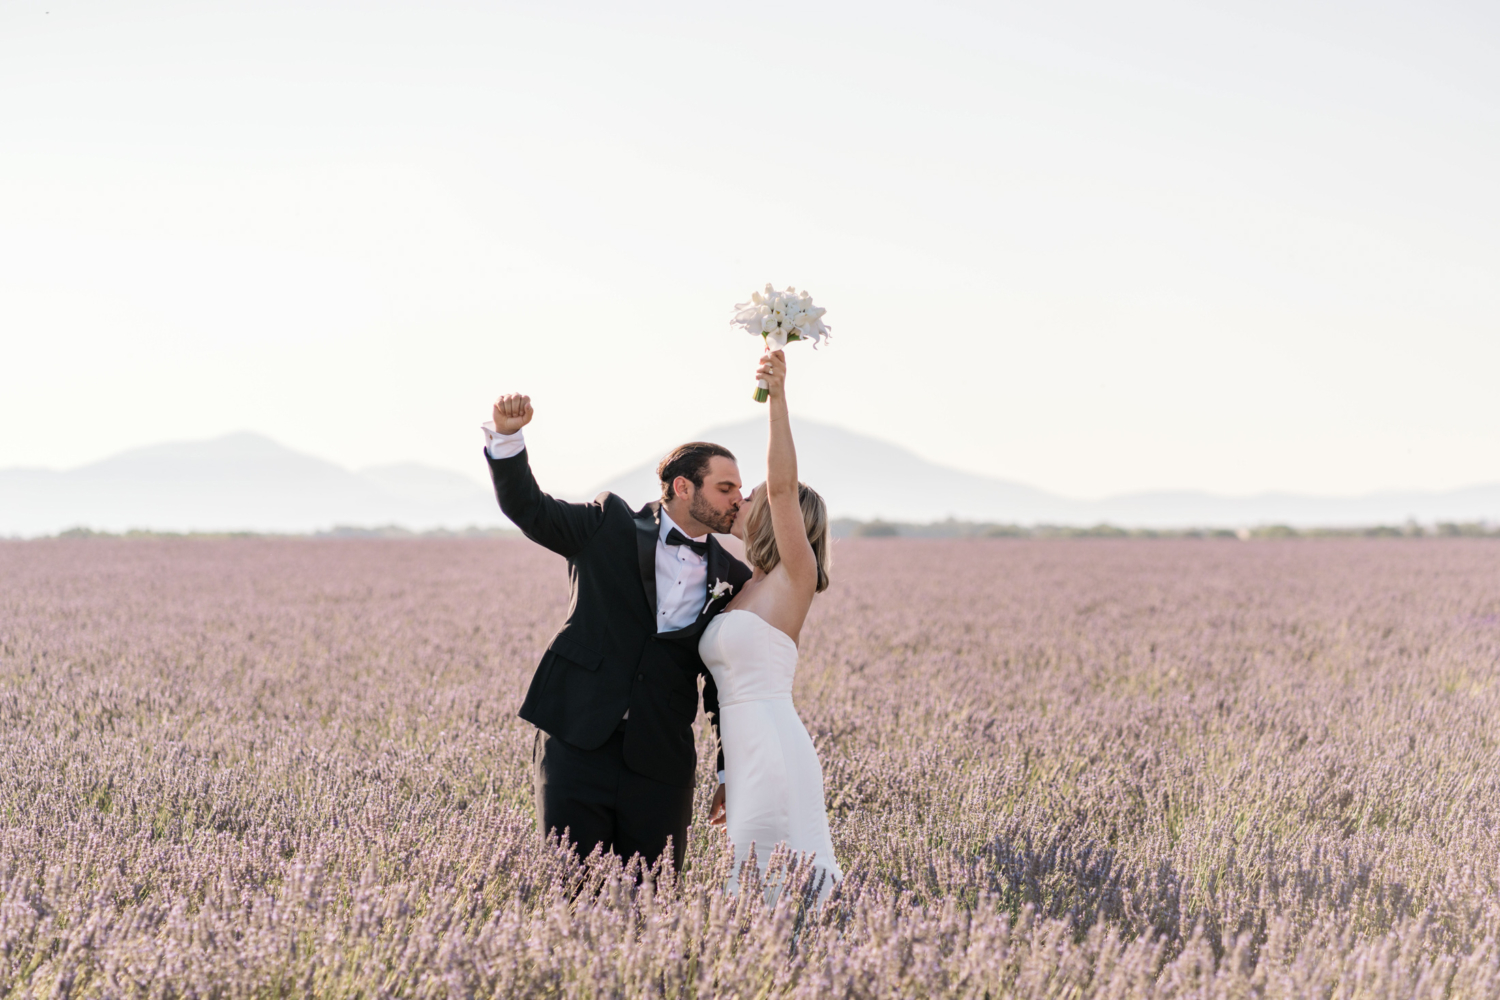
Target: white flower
[(782, 317), (720, 588)]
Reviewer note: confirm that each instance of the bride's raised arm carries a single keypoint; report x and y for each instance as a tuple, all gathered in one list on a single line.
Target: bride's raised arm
[(781, 482)]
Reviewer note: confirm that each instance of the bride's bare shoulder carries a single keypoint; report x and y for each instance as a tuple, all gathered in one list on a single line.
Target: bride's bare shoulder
[(777, 600)]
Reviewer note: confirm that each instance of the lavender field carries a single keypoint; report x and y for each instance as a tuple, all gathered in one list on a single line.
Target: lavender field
[(260, 768)]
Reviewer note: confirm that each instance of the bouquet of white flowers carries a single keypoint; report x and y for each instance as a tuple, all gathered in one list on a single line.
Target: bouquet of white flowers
[(780, 318)]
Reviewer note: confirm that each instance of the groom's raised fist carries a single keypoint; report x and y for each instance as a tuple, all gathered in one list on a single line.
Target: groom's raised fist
[(512, 412)]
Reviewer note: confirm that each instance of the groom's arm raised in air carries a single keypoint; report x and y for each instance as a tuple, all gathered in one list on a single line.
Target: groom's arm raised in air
[(565, 528)]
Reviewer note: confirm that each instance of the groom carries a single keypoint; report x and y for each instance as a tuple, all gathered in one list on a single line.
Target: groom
[(616, 692)]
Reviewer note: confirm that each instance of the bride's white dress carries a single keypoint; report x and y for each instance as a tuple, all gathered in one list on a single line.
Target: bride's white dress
[(773, 781)]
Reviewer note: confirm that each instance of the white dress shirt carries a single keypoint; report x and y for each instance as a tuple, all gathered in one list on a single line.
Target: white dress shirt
[(502, 445), (681, 580), (681, 584)]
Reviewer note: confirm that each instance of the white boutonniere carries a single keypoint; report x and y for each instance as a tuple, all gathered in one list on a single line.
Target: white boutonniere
[(719, 589)]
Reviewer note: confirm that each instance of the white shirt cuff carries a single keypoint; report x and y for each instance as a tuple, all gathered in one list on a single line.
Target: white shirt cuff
[(721, 777), (502, 445)]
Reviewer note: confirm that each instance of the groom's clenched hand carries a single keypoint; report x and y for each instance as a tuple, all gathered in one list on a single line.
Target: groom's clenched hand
[(512, 412)]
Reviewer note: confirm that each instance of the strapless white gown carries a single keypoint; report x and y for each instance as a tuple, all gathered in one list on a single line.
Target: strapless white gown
[(773, 782)]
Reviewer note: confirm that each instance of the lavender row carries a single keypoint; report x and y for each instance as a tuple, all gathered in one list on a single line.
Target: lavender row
[(1091, 768)]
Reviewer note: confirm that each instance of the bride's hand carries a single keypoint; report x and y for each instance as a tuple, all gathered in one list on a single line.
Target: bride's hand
[(772, 371)]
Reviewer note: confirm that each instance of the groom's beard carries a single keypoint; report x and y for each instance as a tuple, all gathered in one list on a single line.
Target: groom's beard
[(717, 520)]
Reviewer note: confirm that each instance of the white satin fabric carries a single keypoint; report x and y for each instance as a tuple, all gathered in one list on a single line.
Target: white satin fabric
[(773, 782)]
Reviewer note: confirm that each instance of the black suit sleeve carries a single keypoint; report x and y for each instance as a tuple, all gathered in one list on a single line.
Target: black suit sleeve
[(711, 709), (563, 527)]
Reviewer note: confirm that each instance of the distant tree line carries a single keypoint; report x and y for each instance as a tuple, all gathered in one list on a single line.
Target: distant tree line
[(851, 528), (339, 531)]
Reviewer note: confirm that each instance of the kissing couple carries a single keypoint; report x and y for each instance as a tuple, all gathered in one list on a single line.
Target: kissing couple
[(656, 601)]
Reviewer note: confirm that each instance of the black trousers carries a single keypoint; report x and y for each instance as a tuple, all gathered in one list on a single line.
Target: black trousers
[(598, 800)]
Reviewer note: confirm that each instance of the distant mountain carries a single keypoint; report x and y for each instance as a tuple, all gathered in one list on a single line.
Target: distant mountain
[(246, 482), (240, 482), (864, 478)]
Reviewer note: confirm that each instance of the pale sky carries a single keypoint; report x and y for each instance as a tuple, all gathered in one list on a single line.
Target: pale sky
[(1093, 247)]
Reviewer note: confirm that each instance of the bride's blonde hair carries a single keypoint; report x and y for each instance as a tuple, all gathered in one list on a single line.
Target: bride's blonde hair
[(760, 536)]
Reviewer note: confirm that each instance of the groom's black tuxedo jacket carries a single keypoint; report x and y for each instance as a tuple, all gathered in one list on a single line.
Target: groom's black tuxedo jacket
[(608, 656)]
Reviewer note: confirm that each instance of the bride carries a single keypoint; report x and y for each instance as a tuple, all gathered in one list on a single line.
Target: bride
[(773, 781)]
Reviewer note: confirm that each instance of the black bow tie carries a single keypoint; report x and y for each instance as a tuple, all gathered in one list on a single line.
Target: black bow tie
[(675, 537)]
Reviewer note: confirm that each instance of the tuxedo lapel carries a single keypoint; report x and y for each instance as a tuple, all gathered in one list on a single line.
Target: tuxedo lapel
[(717, 560), (722, 568), (647, 527)]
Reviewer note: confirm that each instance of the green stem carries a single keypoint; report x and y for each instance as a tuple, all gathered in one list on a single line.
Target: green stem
[(761, 395)]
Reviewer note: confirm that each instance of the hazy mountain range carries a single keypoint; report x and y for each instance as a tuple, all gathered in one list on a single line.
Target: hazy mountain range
[(866, 478), (240, 482), (249, 482)]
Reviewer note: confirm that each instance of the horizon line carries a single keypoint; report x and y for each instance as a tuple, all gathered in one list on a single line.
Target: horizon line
[(1154, 492)]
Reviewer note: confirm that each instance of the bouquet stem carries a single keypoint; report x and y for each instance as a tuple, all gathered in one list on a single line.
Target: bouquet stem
[(763, 391)]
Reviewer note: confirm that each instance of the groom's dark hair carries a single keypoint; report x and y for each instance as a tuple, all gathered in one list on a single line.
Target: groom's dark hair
[(690, 460)]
